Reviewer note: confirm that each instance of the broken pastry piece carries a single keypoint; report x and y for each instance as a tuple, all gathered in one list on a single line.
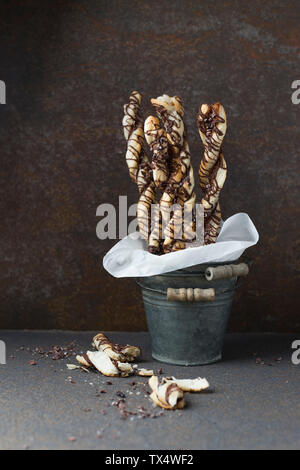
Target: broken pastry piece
[(189, 385), (145, 372), (110, 359), (166, 394), (74, 367), (103, 363), (84, 360), (125, 368), (116, 351)]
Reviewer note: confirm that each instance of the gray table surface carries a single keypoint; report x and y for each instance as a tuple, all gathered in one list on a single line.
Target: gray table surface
[(253, 402)]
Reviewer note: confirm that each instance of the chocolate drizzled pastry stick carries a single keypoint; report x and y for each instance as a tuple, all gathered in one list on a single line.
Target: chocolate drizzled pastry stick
[(134, 134), (155, 238), (170, 111), (137, 162), (180, 187), (186, 194), (156, 138), (147, 198), (134, 151), (213, 169), (131, 113), (212, 126), (172, 221)]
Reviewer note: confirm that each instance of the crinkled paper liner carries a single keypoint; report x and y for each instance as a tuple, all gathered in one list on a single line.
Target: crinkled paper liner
[(130, 258)]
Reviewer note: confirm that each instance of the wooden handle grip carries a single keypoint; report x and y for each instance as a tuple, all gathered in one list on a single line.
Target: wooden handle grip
[(227, 271), (190, 295)]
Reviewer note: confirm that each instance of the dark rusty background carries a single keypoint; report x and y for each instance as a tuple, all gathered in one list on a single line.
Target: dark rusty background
[(69, 67)]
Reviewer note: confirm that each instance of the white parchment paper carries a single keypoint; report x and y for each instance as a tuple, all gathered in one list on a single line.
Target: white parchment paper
[(130, 258)]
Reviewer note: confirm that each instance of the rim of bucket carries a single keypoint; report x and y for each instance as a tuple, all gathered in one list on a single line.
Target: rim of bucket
[(201, 268)]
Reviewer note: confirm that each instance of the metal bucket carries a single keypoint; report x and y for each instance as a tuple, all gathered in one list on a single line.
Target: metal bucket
[(184, 328)]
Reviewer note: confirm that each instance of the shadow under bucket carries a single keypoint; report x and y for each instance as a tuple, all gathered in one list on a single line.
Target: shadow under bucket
[(185, 327)]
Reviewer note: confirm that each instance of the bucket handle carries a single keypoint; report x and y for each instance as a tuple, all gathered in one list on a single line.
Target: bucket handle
[(227, 271), (190, 294)]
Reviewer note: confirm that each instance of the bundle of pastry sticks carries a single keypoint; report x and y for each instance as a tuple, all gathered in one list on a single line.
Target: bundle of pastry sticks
[(164, 173)]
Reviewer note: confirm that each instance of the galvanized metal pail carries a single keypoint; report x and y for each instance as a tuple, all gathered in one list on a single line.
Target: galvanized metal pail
[(186, 323)]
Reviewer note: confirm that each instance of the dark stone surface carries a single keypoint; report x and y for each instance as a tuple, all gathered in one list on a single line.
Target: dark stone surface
[(248, 406), (69, 67)]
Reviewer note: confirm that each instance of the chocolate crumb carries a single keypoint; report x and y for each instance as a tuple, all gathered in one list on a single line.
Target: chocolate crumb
[(70, 380)]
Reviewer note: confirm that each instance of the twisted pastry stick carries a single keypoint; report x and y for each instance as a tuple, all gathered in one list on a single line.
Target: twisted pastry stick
[(147, 198), (181, 183), (137, 161), (170, 111), (133, 133), (210, 202), (131, 111), (172, 224), (182, 223), (212, 129), (157, 140), (172, 187), (134, 151), (155, 241), (213, 168), (187, 196)]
